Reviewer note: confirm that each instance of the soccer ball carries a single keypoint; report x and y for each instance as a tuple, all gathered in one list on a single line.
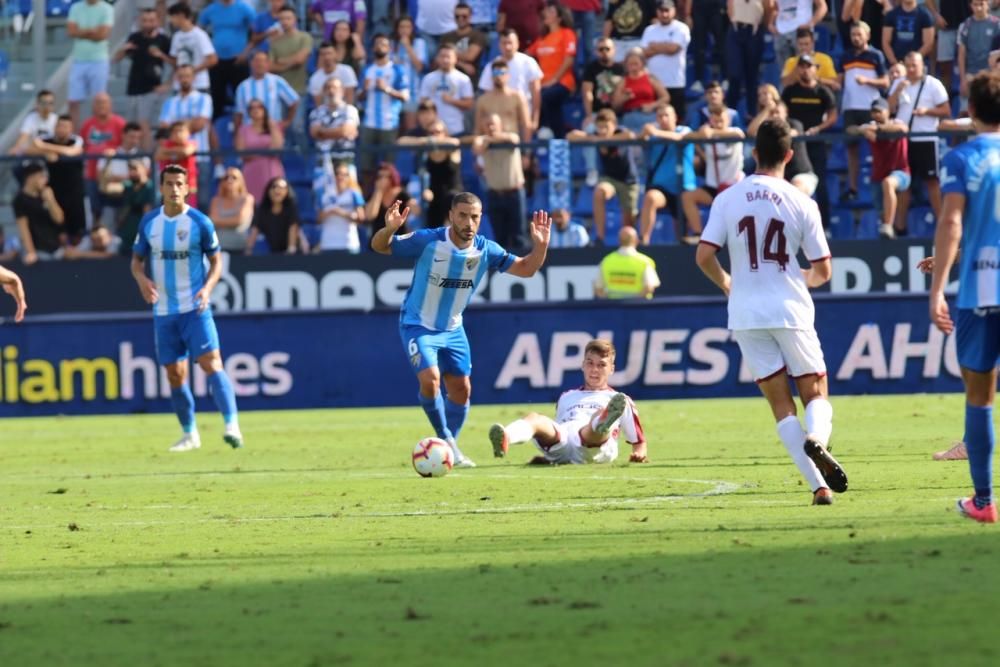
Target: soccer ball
[(432, 457)]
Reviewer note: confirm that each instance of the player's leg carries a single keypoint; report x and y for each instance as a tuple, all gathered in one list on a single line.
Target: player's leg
[(598, 429), (455, 364), (202, 339), (422, 352), (532, 426), (172, 354), (652, 202)]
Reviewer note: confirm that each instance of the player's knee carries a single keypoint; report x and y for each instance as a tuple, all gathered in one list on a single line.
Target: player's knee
[(176, 375), (210, 363)]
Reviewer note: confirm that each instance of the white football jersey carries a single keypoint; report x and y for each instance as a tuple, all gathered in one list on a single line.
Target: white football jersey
[(577, 406), (764, 221)]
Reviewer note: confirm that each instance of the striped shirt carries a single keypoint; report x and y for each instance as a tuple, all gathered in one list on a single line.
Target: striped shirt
[(176, 248), (401, 57), (331, 118), (272, 91), (574, 236), (381, 109), (445, 276), (189, 107)]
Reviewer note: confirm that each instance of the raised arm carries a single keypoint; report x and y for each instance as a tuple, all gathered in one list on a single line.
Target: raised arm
[(394, 219), (527, 266)]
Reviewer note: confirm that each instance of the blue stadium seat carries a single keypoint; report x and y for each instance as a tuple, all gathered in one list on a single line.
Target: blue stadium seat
[(58, 7), (841, 224), (663, 230), (837, 161), (573, 112), (261, 246), (584, 204), (824, 40), (920, 222), (833, 187), (577, 165), (540, 196), (868, 226), (296, 169), (312, 234)]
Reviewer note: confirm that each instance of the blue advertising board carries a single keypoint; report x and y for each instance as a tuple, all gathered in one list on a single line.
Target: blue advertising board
[(668, 348)]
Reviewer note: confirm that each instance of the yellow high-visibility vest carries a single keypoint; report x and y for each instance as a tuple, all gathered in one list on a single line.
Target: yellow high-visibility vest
[(623, 274)]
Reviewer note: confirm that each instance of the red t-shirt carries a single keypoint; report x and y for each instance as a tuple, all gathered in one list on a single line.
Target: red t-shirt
[(98, 136), (889, 155), (583, 5), (551, 51), (190, 163), (524, 16), (642, 92)]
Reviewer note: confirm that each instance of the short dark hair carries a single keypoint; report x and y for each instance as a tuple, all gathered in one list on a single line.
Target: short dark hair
[(606, 116), (507, 32), (43, 92), (173, 169), (462, 5), (30, 169), (427, 105), (175, 125), (180, 9), (379, 35), (465, 198), (287, 8), (132, 126), (64, 117), (712, 84), (804, 32), (774, 140), (447, 46), (326, 45), (984, 97), (499, 62)]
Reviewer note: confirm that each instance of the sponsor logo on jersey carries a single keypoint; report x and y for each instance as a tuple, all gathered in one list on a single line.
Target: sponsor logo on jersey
[(455, 283), (174, 254)]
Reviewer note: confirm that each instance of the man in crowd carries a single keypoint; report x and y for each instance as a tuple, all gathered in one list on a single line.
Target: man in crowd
[(502, 170), (191, 46), (89, 24), (384, 88), (864, 75), (907, 28), (525, 74), (327, 67), (334, 124), (39, 122), (274, 92), (66, 176), (449, 89), (194, 108), (567, 233), (504, 101), (665, 44), (470, 44), (600, 78), (805, 44), (101, 132), (145, 75), (791, 16), (290, 50), (670, 171), (40, 219), (229, 22), (625, 21)]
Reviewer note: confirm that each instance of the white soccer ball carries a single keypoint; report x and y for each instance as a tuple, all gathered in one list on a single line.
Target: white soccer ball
[(432, 457)]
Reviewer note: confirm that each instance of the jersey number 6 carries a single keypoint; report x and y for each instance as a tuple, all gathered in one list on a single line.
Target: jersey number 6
[(773, 249)]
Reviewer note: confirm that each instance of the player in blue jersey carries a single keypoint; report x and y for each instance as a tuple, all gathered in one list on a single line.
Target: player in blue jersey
[(451, 262), (970, 182), (13, 286), (174, 241)]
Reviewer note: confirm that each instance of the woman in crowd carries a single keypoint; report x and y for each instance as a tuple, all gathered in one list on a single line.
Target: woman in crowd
[(555, 53), (350, 51), (638, 94), (388, 189), (232, 211), (277, 219), (261, 133), (342, 209)]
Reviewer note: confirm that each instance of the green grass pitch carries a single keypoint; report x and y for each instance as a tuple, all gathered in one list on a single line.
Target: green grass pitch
[(319, 545)]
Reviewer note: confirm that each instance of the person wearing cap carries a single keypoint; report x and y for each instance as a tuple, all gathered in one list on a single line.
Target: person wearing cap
[(890, 167), (805, 44), (665, 43), (864, 74)]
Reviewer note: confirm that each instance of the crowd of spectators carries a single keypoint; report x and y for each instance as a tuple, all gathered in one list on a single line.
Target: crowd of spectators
[(340, 107)]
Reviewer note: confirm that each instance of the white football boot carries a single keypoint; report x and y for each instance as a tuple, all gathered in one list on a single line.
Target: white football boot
[(232, 436), (187, 442)]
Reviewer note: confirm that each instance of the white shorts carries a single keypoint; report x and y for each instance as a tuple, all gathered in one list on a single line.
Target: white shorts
[(86, 79), (947, 45), (768, 352), (570, 449)]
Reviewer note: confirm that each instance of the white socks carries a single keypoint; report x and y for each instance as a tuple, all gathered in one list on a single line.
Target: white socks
[(819, 419), (791, 434), (519, 431)]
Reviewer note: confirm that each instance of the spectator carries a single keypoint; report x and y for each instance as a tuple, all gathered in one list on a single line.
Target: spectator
[(625, 21), (229, 22), (66, 175), (427, 118), (443, 166), (449, 89), (326, 13), (890, 165), (507, 103), (190, 45), (585, 13), (388, 190), (709, 20), (350, 50), (145, 75), (138, 199), (975, 41), (342, 209), (277, 94), (178, 148), (277, 219), (907, 28), (521, 16), (98, 244), (40, 220), (639, 94), (626, 273), (871, 12), (232, 211), (600, 80), (435, 18), (799, 170), (260, 133), (39, 122), (815, 106), (618, 172), (328, 68), (101, 132), (865, 75), (334, 126), (556, 53), (504, 176), (410, 53), (919, 101), (384, 90), (805, 44), (665, 45), (290, 50), (470, 44), (194, 108), (670, 173), (723, 167), (791, 15), (714, 97), (266, 25), (89, 24), (113, 172), (525, 74), (947, 20), (745, 49), (565, 233)]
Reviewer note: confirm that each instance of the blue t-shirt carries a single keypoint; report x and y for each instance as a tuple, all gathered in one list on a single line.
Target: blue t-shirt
[(675, 171), (445, 276), (973, 170), (229, 25), (263, 22), (907, 29)]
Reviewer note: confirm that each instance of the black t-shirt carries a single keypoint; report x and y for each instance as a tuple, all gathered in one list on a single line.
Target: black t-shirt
[(808, 105), (44, 231), (604, 78), (616, 162), (146, 72), (630, 17), (799, 164), (954, 12), (66, 180), (275, 227)]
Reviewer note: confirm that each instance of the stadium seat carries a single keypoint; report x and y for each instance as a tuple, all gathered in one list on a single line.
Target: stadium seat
[(868, 226), (920, 222), (57, 7), (663, 230), (841, 224), (261, 247), (312, 234), (584, 204), (296, 169)]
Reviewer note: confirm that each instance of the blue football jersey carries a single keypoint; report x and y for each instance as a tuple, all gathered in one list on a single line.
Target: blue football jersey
[(445, 276), (973, 170)]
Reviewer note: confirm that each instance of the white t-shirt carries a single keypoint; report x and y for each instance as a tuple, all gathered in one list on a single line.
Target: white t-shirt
[(764, 221), (342, 72), (577, 407), (723, 164), (36, 127), (522, 69), (454, 83), (337, 233), (792, 14), (670, 70), (436, 17), (932, 95), (191, 48)]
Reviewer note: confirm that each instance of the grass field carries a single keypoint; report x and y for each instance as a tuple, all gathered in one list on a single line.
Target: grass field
[(318, 545)]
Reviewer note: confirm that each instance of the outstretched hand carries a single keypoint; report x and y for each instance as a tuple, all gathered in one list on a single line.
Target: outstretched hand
[(541, 228), (394, 219), (926, 265)]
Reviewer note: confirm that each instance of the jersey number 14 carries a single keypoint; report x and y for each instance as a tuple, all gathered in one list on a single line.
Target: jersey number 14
[(774, 247)]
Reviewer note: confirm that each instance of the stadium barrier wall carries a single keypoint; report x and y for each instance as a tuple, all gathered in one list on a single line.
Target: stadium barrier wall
[(667, 349), (341, 281)]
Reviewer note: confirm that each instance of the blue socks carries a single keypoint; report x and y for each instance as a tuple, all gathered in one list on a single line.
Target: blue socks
[(434, 407), (222, 391), (456, 415), (183, 401), (979, 441)]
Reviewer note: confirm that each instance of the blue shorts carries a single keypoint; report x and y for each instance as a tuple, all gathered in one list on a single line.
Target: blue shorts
[(178, 335), (978, 339), (86, 79), (448, 350)]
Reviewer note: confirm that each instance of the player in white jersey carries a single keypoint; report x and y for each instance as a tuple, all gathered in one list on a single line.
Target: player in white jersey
[(588, 419), (12, 285), (765, 221)]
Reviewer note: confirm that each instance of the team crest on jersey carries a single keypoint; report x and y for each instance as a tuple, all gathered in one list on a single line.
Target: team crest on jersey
[(182, 234), (471, 263)]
